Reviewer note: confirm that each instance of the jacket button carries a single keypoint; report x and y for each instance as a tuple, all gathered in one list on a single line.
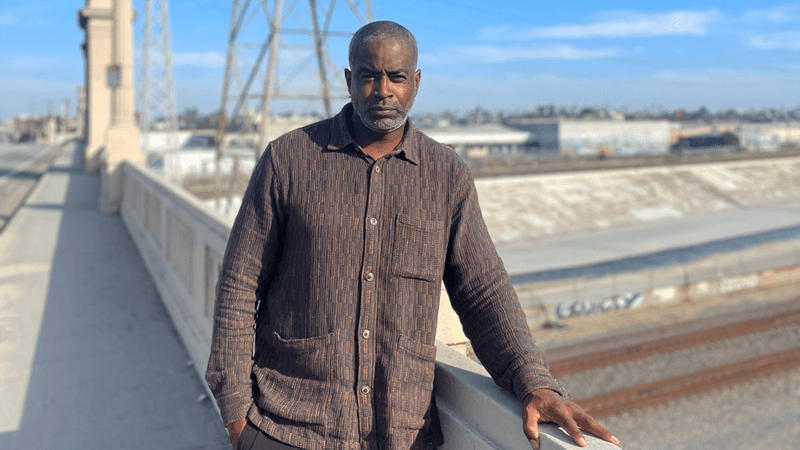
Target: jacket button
[(365, 389), (365, 333), (370, 276)]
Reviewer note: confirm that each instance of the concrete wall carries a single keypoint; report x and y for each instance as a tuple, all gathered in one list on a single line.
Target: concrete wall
[(182, 243), (520, 208)]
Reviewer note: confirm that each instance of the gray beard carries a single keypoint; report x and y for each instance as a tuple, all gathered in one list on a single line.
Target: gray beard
[(381, 125)]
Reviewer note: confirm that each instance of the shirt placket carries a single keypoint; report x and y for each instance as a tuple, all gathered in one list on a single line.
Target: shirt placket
[(370, 275)]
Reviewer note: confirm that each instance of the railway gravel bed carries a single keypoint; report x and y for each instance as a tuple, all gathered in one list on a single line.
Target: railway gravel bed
[(759, 414), (653, 368)]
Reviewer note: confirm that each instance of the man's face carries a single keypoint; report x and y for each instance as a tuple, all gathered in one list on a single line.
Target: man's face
[(383, 84)]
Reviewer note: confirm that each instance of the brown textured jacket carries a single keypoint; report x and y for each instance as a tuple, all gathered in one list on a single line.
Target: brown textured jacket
[(336, 261)]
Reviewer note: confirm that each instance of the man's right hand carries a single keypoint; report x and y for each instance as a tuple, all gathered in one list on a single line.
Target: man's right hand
[(234, 430)]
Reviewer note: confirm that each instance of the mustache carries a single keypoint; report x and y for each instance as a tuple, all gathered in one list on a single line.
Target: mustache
[(383, 106)]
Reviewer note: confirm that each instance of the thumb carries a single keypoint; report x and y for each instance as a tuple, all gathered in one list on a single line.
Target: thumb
[(530, 426)]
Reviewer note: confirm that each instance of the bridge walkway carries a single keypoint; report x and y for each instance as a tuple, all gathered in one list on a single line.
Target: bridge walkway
[(89, 358)]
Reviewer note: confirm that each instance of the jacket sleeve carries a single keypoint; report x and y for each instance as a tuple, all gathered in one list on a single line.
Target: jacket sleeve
[(481, 294), (250, 260)]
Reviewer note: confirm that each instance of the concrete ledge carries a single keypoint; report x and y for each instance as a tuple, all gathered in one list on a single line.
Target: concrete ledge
[(477, 414), (181, 243)]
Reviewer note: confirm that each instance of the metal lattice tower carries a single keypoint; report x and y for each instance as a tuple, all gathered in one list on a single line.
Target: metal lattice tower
[(157, 107), (278, 52)]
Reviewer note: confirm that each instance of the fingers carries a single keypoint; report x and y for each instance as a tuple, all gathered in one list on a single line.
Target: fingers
[(588, 423), (571, 427), (547, 406)]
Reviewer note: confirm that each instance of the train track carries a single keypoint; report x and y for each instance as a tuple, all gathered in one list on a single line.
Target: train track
[(583, 357), (697, 333), (661, 391)]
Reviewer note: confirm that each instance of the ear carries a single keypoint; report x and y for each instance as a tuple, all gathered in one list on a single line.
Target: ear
[(347, 75), (417, 76)]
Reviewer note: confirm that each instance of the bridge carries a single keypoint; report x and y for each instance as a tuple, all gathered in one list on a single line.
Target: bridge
[(107, 273)]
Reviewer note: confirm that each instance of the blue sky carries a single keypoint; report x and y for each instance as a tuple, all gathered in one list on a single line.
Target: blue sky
[(501, 54)]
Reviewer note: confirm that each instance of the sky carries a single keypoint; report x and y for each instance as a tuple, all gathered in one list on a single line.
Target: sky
[(507, 55)]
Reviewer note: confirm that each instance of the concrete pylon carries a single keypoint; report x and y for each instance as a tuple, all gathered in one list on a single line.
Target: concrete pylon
[(123, 139), (95, 20)]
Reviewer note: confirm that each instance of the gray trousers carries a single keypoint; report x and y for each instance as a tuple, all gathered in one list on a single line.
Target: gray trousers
[(254, 439)]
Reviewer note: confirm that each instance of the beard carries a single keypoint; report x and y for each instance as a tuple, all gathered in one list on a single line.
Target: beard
[(383, 124)]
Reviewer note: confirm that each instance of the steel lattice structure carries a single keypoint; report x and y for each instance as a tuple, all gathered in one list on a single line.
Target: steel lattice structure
[(157, 106), (278, 52)]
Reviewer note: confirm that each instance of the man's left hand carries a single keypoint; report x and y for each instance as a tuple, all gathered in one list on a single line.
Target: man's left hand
[(544, 405)]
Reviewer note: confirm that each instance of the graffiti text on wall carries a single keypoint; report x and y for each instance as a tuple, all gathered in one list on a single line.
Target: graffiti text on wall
[(586, 307)]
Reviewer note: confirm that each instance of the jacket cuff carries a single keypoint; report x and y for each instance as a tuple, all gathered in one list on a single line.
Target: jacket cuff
[(525, 385), (233, 406)]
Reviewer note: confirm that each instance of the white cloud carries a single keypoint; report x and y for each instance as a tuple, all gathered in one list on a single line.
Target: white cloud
[(489, 54), (714, 75), (8, 19), (625, 25), (777, 41), (199, 59), (780, 14), (33, 63)]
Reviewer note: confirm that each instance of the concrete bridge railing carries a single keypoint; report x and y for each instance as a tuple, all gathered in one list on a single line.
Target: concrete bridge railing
[(182, 242)]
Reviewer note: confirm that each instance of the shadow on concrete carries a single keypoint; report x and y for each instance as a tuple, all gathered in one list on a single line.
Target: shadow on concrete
[(109, 370), (666, 258)]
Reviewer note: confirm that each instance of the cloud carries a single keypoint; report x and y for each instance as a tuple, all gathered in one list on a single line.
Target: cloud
[(714, 75), (787, 40), (780, 14), (34, 63), (490, 54), (625, 25), (8, 19), (199, 59)]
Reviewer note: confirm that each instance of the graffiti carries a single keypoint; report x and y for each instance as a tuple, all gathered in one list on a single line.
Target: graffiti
[(586, 307), (738, 283)]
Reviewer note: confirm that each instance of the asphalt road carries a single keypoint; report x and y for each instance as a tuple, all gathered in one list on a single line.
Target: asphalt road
[(21, 166)]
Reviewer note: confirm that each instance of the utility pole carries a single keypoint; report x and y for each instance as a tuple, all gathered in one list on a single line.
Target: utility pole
[(157, 85), (278, 52)]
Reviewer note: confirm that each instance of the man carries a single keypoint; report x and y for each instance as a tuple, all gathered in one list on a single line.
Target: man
[(346, 232)]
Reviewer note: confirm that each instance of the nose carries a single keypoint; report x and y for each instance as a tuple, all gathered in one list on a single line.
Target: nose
[(382, 87)]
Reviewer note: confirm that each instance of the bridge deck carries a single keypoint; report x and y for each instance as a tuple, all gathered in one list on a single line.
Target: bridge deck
[(88, 357)]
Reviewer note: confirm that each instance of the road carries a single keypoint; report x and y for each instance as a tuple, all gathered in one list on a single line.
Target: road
[(21, 166)]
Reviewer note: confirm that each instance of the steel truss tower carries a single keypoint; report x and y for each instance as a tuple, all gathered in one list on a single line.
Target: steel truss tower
[(157, 107), (278, 52)]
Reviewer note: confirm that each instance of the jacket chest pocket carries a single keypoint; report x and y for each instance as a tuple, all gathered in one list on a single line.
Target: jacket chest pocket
[(418, 249)]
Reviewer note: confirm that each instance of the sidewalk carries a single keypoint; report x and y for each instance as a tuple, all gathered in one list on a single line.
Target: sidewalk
[(88, 356)]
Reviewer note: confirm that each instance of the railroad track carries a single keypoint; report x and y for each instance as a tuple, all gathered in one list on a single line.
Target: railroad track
[(661, 391), (696, 333), (583, 357)]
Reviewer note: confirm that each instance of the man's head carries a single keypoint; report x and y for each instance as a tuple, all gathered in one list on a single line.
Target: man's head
[(383, 76)]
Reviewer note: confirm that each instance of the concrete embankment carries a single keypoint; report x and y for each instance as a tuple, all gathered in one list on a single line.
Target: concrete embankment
[(530, 207)]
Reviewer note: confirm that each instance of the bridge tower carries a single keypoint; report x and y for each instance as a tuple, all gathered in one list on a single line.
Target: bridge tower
[(157, 106), (278, 52)]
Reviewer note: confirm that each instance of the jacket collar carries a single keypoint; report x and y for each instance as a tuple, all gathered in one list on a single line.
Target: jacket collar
[(341, 137)]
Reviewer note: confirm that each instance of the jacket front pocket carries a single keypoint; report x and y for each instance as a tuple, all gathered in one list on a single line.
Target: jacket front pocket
[(296, 379), (419, 248), (411, 384)]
